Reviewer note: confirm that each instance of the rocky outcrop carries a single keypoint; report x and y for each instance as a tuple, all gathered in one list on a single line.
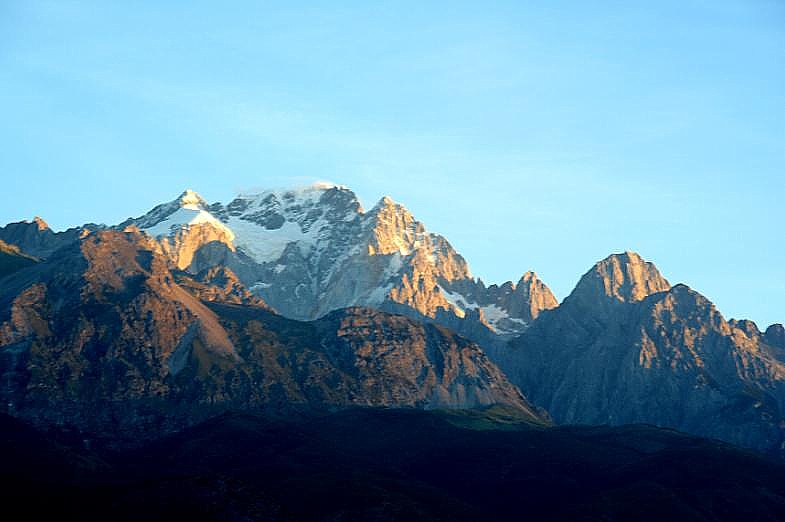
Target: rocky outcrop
[(218, 284), (625, 347), (102, 336)]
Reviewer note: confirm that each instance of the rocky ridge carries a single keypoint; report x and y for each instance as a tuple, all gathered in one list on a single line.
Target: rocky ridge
[(102, 337), (626, 347), (35, 238)]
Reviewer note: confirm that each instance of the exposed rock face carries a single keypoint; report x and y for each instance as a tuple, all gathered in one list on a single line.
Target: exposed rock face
[(372, 358), (310, 251), (35, 238), (219, 284), (93, 335), (522, 303), (775, 336), (622, 278), (102, 337), (625, 347)]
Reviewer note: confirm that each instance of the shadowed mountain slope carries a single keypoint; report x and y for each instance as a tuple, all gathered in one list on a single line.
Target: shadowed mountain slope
[(13, 259), (374, 464), (626, 347)]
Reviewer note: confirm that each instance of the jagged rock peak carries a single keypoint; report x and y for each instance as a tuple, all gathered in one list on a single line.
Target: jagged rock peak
[(42, 225), (311, 192), (536, 293), (625, 277), (187, 210), (529, 279), (775, 335), (187, 201), (182, 227), (386, 201), (395, 229), (747, 326), (387, 208), (191, 200), (303, 206)]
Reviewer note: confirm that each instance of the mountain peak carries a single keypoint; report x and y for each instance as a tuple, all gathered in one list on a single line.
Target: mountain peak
[(191, 200), (290, 192), (387, 207), (386, 202), (528, 278), (317, 243), (327, 185), (42, 225), (624, 277), (535, 295), (775, 335)]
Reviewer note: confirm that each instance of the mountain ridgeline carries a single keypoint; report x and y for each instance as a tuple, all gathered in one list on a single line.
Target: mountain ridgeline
[(102, 337), (314, 250), (288, 302), (627, 347)]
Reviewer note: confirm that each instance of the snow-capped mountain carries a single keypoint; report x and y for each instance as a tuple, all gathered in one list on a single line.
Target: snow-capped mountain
[(311, 250), (182, 227), (625, 346)]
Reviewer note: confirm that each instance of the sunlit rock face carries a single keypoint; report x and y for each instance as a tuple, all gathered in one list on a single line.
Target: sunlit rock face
[(313, 250), (624, 278), (626, 347), (104, 337)]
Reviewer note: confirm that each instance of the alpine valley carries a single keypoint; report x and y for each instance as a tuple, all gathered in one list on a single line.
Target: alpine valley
[(291, 355)]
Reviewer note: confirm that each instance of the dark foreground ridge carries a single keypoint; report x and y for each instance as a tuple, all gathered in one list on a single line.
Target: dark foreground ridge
[(390, 464)]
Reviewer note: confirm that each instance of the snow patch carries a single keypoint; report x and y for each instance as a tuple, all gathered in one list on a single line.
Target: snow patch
[(266, 246), (184, 217), (393, 267), (458, 302), (495, 317), (493, 314), (498, 319)]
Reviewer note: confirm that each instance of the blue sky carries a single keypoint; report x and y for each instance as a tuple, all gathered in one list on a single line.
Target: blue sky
[(536, 136)]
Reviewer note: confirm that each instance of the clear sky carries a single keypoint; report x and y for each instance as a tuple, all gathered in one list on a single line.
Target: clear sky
[(533, 135)]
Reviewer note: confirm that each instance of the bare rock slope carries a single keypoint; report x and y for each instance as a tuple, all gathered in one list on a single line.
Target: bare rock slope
[(626, 347), (102, 337)]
